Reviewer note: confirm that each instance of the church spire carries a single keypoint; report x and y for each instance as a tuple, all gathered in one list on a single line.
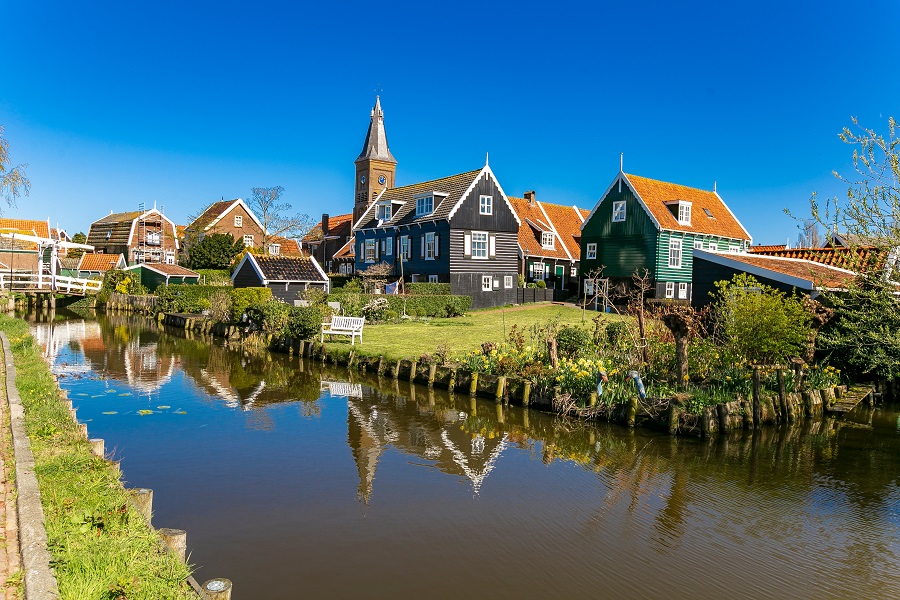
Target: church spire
[(376, 145)]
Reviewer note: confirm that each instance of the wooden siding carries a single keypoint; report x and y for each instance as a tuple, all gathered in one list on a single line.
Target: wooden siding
[(469, 217), (469, 284), (666, 273), (621, 247), (291, 291), (707, 273), (247, 277), (416, 265), (505, 257)]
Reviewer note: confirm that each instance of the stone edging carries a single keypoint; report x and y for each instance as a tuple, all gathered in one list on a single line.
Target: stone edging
[(40, 583)]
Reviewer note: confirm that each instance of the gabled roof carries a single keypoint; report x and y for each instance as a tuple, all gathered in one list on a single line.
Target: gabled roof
[(802, 274), (284, 268), (100, 262), (338, 226), (216, 211), (448, 194), (535, 220), (763, 248), (115, 229), (348, 250), (376, 144), (709, 213), (26, 226), (859, 259), (166, 269)]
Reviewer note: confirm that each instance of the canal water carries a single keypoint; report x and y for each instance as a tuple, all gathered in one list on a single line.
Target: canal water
[(295, 480)]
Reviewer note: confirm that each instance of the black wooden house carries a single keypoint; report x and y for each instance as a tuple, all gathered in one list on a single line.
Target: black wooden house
[(287, 276), (460, 230)]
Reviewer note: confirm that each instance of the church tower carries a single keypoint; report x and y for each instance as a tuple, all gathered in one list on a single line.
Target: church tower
[(375, 166)]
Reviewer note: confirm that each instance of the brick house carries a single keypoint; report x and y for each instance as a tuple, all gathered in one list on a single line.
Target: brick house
[(327, 238), (227, 216), (141, 236)]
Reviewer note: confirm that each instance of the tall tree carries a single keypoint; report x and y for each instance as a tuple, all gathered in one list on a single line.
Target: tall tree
[(13, 182), (215, 251), (275, 214), (78, 238)]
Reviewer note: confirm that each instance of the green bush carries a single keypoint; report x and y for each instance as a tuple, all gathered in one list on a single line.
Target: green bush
[(191, 299), (423, 306), (428, 289), (540, 284), (271, 315), (218, 277), (303, 323), (242, 298), (572, 341), (616, 333), (122, 282)]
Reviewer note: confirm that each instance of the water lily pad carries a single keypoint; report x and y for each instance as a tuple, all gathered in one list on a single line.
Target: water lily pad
[(81, 394), (97, 396), (110, 391), (163, 407), (180, 412), (144, 411), (125, 394), (111, 412)]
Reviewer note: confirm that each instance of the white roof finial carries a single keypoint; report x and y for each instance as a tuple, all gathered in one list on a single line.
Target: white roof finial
[(714, 185), (621, 162), (485, 159)]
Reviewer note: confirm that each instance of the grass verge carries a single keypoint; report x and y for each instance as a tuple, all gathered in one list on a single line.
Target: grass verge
[(101, 547), (461, 334)]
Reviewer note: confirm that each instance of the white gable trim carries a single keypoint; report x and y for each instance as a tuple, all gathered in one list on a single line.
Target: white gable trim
[(321, 272), (368, 208), (144, 216), (553, 228), (578, 213), (248, 257), (619, 178), (236, 203), (486, 171), (733, 216)]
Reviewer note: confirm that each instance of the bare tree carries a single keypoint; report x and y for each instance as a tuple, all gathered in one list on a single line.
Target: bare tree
[(13, 182), (376, 276), (810, 235), (642, 284), (275, 215)]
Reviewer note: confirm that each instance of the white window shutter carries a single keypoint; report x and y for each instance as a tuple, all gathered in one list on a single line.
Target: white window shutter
[(422, 246), (467, 246), (493, 244), (437, 246)]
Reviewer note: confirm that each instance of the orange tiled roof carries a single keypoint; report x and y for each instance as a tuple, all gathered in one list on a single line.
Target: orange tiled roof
[(567, 222), (348, 250), (338, 225), (288, 247), (26, 226), (762, 248), (533, 223), (818, 274), (860, 258), (98, 262), (657, 194)]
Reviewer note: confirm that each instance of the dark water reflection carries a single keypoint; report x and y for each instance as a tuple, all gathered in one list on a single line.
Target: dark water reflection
[(297, 480)]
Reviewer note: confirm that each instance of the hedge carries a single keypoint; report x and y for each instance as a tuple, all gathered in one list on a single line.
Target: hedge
[(428, 289), (241, 298), (185, 298), (422, 306)]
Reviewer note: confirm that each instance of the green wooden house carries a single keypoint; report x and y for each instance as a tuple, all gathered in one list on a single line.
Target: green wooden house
[(645, 223), (153, 275)]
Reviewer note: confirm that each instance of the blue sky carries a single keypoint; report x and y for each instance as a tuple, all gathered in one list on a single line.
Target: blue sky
[(183, 103)]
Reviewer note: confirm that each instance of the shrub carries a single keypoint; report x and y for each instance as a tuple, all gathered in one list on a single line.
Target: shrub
[(185, 298), (428, 289), (242, 298), (573, 340), (616, 333), (218, 277), (521, 281), (220, 305), (122, 282), (540, 284), (303, 322), (423, 306), (272, 315), (375, 308)]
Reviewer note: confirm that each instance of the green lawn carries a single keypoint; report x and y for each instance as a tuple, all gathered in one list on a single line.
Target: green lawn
[(460, 334)]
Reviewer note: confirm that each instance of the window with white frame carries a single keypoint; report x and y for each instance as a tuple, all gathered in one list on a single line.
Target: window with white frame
[(573, 272), (429, 246), (274, 249), (618, 213), (591, 251), (424, 205), (486, 205), (248, 241), (153, 238), (432, 279), (370, 251), (487, 283), (388, 246), (734, 249), (547, 239), (479, 244), (698, 244), (507, 281), (405, 250), (684, 213), (682, 291), (537, 270), (383, 211), (238, 220), (675, 254), (670, 289)]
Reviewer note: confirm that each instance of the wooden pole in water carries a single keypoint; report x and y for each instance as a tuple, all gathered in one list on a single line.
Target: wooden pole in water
[(501, 384), (473, 385), (217, 589), (175, 540), (142, 499), (782, 396), (757, 408)]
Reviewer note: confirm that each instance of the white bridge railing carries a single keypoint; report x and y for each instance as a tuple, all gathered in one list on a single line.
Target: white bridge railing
[(60, 284)]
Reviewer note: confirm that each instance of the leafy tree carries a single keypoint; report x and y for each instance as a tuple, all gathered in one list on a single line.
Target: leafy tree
[(215, 251), (275, 215), (863, 338), (78, 238), (13, 182), (758, 323)]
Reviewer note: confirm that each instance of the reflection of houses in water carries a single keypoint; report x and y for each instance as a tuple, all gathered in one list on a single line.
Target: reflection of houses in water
[(341, 389), (53, 337), (232, 397), (437, 434)]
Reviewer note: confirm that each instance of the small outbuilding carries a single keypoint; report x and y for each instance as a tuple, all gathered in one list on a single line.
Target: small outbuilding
[(93, 264), (286, 276), (156, 274)]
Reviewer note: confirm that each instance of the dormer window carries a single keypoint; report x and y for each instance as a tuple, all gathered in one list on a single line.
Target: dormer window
[(547, 240), (274, 249), (238, 221), (684, 212), (383, 211), (424, 205)]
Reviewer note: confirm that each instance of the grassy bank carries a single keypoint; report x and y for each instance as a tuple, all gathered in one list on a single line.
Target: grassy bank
[(460, 334), (101, 547)]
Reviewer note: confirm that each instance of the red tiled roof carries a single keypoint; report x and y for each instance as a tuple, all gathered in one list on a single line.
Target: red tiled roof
[(860, 258), (98, 262), (762, 248), (818, 274), (288, 247), (338, 225), (348, 250), (658, 196), (26, 226), (533, 224)]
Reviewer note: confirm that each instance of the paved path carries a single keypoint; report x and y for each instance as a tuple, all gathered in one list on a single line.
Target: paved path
[(10, 561)]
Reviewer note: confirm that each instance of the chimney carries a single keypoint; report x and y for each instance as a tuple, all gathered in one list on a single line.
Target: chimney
[(529, 195), (324, 224), (324, 242)]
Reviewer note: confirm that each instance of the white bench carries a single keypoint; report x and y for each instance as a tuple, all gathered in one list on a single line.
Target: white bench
[(352, 326)]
